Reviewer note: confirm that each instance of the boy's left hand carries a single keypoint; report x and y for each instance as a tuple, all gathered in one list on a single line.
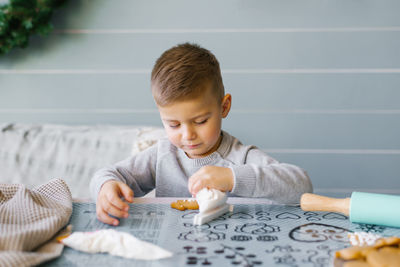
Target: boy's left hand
[(220, 178)]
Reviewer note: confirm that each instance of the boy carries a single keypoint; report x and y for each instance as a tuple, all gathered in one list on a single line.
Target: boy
[(187, 87)]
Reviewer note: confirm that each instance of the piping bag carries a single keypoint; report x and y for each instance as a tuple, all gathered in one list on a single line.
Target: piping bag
[(368, 208), (212, 204)]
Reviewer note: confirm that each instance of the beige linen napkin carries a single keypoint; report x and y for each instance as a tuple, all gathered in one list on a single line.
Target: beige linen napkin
[(29, 219)]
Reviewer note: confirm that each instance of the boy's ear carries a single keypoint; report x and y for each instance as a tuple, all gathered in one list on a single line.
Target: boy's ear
[(226, 105)]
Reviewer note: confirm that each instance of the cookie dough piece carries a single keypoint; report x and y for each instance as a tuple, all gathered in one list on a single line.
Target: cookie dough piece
[(116, 243), (387, 241), (356, 263), (185, 204), (353, 253), (385, 252), (386, 256)]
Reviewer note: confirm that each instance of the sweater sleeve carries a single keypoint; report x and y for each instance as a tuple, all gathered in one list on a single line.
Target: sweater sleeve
[(138, 172), (263, 176)]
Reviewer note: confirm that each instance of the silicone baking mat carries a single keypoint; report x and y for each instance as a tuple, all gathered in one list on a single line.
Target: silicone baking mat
[(252, 235)]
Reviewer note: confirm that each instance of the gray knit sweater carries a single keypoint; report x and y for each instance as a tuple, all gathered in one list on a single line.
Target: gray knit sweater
[(167, 169)]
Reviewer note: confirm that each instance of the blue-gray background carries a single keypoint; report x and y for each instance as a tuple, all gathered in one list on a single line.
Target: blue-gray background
[(314, 83)]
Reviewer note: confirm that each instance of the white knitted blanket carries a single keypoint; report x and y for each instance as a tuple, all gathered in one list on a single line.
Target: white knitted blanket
[(29, 219), (33, 154)]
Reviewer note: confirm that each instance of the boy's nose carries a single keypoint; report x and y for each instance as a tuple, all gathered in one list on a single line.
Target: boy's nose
[(188, 133)]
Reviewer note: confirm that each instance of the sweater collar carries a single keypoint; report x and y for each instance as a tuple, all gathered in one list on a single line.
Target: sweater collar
[(225, 143), (220, 152)]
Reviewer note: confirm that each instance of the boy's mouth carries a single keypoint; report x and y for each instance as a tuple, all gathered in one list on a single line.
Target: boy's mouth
[(192, 146)]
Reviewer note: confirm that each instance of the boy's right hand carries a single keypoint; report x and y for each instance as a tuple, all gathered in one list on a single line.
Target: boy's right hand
[(109, 201)]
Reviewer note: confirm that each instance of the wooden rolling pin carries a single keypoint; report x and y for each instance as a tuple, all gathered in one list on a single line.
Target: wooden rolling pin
[(369, 208)]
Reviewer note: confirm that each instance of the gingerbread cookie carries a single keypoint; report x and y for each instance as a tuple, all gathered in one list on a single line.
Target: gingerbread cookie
[(185, 204), (386, 256), (385, 252)]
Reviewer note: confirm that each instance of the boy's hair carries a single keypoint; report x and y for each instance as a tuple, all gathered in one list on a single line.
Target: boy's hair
[(184, 72)]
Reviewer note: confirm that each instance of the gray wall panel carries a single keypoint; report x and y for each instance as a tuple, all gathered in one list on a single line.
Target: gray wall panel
[(155, 14), (349, 172), (271, 131), (234, 50), (315, 83), (357, 93)]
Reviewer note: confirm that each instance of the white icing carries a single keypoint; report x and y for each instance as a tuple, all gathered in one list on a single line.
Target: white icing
[(209, 199), (115, 243), (363, 238)]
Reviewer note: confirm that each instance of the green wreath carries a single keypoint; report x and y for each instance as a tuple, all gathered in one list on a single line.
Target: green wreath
[(21, 18)]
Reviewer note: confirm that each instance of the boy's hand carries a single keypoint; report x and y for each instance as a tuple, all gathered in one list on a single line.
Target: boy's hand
[(220, 178), (109, 201)]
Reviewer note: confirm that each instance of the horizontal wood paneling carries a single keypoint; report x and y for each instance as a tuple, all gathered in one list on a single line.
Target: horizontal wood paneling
[(150, 14), (273, 131), (349, 172), (314, 83), (234, 50), (368, 93)]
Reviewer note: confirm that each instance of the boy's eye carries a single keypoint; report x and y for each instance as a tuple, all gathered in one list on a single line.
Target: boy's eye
[(174, 125), (201, 122)]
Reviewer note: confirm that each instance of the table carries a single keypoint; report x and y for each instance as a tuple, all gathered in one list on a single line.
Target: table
[(256, 233)]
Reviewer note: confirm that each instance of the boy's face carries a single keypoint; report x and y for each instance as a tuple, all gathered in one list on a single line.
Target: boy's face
[(194, 125)]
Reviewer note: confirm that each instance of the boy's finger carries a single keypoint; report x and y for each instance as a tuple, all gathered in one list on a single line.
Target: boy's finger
[(116, 201), (105, 218), (192, 180), (106, 208), (190, 187), (126, 192), (115, 211), (190, 184), (197, 186)]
